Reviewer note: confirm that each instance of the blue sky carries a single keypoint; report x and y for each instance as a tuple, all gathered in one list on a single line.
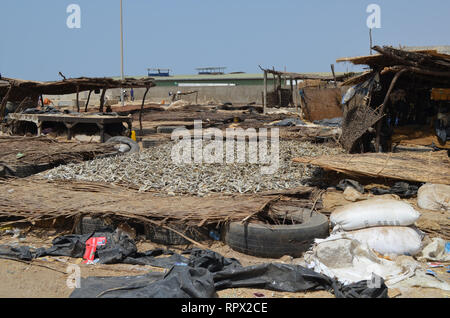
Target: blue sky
[(303, 36)]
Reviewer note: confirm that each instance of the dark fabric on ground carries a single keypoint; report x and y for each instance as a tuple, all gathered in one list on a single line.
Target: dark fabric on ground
[(20, 252), (188, 282), (288, 122), (343, 184), (210, 260), (179, 282), (334, 122), (402, 189), (273, 276), (198, 276)]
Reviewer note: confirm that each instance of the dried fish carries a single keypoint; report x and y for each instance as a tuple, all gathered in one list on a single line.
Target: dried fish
[(152, 169)]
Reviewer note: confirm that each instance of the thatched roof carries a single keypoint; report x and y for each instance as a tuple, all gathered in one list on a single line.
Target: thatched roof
[(428, 64), (71, 86), (309, 76), (432, 167)]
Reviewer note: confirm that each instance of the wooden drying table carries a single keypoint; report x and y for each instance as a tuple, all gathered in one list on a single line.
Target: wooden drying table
[(71, 120)]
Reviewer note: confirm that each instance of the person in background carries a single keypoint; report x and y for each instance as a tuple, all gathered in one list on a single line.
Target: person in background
[(48, 102), (132, 94)]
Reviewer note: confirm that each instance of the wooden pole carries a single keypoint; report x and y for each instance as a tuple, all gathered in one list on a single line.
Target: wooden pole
[(292, 92), (265, 93), (370, 37), (87, 101), (102, 100), (22, 104), (274, 81), (383, 106), (279, 90), (142, 108), (78, 98), (4, 101), (334, 75)]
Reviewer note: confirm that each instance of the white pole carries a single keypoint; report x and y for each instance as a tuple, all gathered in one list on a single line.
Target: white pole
[(121, 52)]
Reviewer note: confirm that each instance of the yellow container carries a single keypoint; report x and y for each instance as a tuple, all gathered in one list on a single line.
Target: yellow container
[(133, 135)]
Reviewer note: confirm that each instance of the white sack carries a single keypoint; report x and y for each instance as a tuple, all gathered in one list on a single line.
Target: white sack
[(388, 240), (434, 197), (374, 212)]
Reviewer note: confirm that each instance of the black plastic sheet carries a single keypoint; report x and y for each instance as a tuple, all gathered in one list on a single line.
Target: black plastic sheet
[(189, 282), (194, 274), (402, 189)]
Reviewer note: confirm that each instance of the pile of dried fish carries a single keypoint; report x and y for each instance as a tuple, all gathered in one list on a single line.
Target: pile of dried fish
[(153, 169)]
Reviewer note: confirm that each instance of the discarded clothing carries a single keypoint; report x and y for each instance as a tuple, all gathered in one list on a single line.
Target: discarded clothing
[(343, 184), (334, 122), (402, 189), (288, 122), (46, 110)]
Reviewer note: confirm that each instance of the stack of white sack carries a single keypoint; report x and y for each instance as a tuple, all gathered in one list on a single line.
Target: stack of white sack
[(385, 225)]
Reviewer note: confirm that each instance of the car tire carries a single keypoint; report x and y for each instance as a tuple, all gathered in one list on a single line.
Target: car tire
[(134, 146), (89, 225), (275, 241), (160, 235)]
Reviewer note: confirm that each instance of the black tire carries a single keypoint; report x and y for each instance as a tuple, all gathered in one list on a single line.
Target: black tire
[(160, 235), (134, 146), (89, 225), (168, 129), (275, 241)]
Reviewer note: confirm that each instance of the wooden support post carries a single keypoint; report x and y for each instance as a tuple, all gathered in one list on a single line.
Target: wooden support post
[(265, 93), (42, 102), (130, 127), (292, 92), (69, 127), (4, 102), (279, 90), (102, 132), (274, 81), (87, 102), (383, 107), (39, 128), (78, 98), (334, 75), (142, 108), (102, 100), (22, 104)]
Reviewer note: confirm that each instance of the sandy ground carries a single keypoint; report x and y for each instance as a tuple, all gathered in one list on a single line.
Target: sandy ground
[(46, 277)]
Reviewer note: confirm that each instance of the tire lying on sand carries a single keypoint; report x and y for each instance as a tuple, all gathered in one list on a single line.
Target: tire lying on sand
[(128, 142), (275, 241), (160, 235)]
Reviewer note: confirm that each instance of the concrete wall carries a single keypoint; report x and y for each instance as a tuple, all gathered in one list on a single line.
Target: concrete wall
[(220, 94)]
